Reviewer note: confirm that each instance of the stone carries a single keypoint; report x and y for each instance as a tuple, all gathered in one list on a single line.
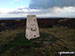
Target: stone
[(32, 29)]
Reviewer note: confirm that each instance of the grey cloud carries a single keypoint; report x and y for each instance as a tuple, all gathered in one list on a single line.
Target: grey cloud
[(22, 8), (41, 11), (0, 13), (44, 4), (30, 11), (16, 12), (51, 12)]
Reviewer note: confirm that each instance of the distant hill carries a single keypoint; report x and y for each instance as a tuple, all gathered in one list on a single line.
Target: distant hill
[(43, 23)]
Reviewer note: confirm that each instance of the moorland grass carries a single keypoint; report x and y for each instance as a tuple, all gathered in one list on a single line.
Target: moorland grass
[(51, 41)]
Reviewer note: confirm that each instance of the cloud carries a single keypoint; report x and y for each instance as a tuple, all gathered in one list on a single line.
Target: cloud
[(50, 12), (0, 13), (4, 10), (64, 9), (63, 12), (12, 15), (45, 4), (23, 10)]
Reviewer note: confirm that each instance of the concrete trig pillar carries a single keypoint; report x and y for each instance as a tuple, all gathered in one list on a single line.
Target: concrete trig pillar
[(32, 29)]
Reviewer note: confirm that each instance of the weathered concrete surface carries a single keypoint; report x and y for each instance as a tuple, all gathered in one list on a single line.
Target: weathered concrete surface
[(32, 29)]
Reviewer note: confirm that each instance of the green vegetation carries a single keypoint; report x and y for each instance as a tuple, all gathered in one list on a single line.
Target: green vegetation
[(50, 42)]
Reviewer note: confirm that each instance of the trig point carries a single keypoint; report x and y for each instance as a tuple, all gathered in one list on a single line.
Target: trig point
[(32, 29)]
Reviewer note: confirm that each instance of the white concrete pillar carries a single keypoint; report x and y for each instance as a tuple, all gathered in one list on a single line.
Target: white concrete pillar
[(32, 29)]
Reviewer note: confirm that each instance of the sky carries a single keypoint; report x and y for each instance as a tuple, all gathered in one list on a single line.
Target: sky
[(40, 8)]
